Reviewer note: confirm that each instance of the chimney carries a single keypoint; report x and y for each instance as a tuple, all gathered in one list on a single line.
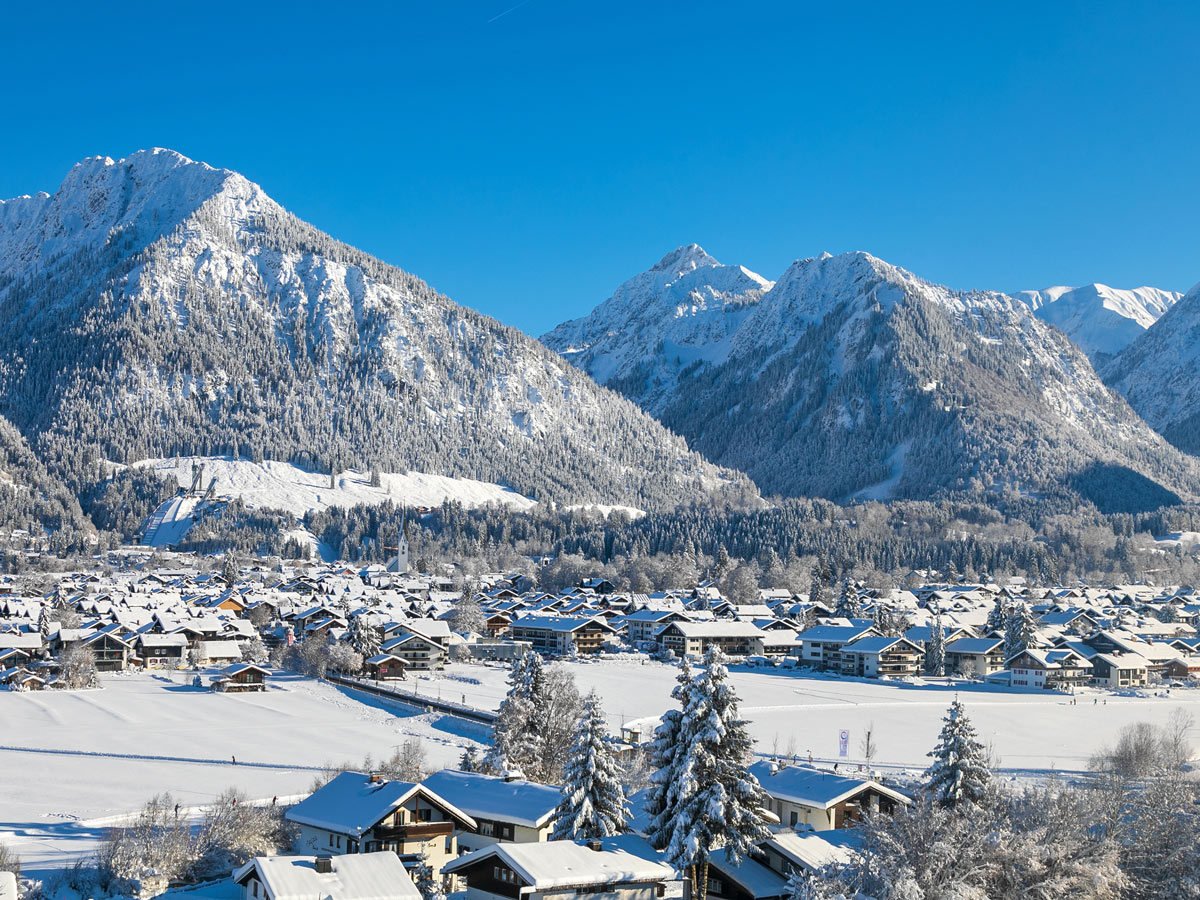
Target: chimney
[(324, 865), (375, 778), (594, 845)]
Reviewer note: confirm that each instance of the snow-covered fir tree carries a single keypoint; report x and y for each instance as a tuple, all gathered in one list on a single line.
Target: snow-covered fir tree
[(997, 620), (426, 879), (848, 604), (720, 805), (468, 615), (364, 637), (593, 801), (43, 624), (1020, 630), (935, 650), (516, 738), (470, 760), (665, 752), (960, 770)]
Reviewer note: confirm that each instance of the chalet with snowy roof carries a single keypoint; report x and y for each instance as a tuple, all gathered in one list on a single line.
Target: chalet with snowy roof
[(876, 656), (1042, 669), (693, 639), (357, 813), (804, 795), (161, 651), (384, 667), (974, 657), (564, 869), (504, 809), (418, 652), (207, 653), (1120, 670), (562, 635), (241, 678), (18, 678), (357, 876), (821, 645), (1183, 668)]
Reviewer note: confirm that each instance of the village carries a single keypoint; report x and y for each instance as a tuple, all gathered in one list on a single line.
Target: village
[(453, 807)]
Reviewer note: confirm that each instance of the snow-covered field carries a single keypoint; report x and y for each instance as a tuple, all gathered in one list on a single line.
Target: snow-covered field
[(801, 712), (147, 733), (153, 732), (280, 485)]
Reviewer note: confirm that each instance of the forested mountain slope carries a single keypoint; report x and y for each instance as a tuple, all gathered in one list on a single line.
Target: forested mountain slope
[(1159, 373), (851, 378), (155, 307)]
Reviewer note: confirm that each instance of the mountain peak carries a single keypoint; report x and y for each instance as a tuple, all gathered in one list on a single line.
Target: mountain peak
[(142, 196), (685, 259)]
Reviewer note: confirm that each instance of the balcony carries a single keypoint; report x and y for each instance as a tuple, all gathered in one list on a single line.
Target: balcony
[(414, 831)]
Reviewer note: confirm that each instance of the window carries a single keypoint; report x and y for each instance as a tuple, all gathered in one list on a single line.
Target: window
[(449, 843), (794, 819), (424, 815), (485, 828), (331, 840), (506, 875)]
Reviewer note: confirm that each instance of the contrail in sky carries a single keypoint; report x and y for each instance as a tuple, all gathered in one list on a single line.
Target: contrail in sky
[(507, 11)]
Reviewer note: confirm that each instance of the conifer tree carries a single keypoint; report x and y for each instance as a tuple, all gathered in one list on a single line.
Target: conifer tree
[(959, 771), (719, 802), (426, 880), (470, 761), (935, 650), (848, 604), (997, 620), (1019, 633), (364, 637), (665, 751), (593, 801), (516, 741)]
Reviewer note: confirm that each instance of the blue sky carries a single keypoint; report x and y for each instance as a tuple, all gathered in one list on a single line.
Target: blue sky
[(525, 158)]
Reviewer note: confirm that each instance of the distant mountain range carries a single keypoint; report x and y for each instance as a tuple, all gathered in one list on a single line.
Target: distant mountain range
[(851, 378), (1159, 373), (1103, 321), (156, 307)]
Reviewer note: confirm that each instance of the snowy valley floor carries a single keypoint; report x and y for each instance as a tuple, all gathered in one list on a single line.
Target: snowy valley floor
[(88, 758)]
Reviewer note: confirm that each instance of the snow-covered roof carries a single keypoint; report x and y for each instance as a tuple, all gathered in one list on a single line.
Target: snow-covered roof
[(872, 644), (559, 864), (352, 804), (750, 875), (559, 623), (489, 797), (357, 876), (973, 645), (728, 628), (814, 850), (844, 633), (812, 787)]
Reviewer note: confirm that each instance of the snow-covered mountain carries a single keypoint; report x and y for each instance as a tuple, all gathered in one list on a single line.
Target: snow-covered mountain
[(684, 309), (156, 307), (1159, 373), (850, 377), (1100, 319)]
